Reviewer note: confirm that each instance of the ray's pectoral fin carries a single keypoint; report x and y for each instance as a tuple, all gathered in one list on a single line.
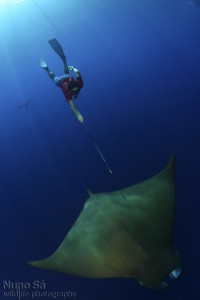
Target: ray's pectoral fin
[(126, 233)]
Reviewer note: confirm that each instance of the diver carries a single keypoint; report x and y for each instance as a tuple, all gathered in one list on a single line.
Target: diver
[(71, 87)]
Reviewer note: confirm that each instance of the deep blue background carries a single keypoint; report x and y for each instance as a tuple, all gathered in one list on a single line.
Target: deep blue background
[(140, 64)]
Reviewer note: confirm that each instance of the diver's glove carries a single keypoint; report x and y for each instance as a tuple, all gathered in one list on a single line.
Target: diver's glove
[(75, 70), (70, 68)]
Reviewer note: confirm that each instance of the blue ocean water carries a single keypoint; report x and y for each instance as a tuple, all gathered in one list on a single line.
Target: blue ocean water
[(141, 69)]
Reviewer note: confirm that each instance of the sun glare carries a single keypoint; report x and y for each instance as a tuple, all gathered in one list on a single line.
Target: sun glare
[(4, 1), (10, 1)]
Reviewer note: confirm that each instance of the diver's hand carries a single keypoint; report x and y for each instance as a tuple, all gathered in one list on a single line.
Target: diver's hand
[(79, 117), (70, 68)]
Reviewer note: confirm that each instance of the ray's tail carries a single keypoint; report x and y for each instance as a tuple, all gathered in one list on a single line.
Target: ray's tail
[(97, 147)]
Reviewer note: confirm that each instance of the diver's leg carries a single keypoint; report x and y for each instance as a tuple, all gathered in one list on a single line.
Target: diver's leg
[(43, 65), (66, 69), (50, 73)]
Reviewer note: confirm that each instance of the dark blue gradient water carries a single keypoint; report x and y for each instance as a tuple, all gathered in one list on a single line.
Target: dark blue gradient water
[(141, 69)]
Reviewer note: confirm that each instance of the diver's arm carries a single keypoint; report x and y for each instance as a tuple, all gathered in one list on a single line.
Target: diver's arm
[(78, 77), (76, 71), (75, 111)]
